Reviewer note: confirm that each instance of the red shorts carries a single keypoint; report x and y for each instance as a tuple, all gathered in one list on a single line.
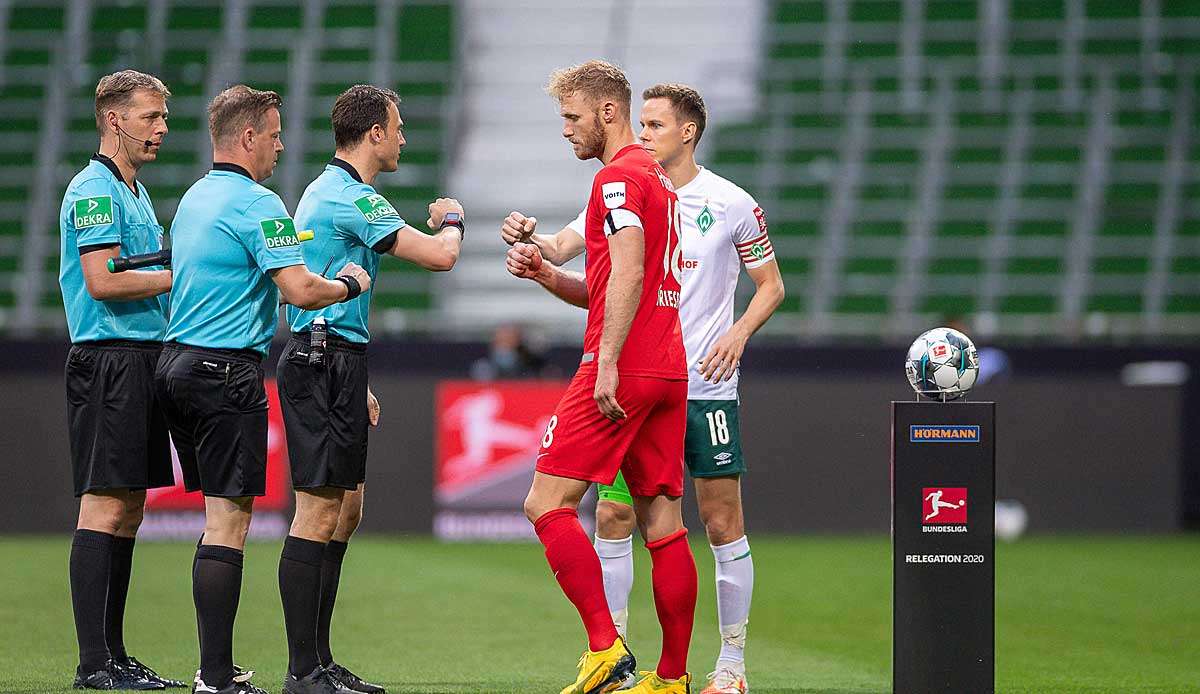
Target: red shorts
[(583, 444)]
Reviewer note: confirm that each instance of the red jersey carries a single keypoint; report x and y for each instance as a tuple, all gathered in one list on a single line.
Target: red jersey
[(634, 191)]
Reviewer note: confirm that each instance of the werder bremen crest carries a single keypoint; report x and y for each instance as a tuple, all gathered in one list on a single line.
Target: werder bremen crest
[(705, 220)]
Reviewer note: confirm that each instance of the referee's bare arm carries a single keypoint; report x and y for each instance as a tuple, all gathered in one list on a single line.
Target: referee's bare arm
[(307, 290), (438, 252), (103, 285)]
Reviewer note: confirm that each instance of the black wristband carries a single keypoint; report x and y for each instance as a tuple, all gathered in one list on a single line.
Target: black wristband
[(353, 288)]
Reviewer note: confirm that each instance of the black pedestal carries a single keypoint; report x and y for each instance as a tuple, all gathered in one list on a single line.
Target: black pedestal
[(943, 547)]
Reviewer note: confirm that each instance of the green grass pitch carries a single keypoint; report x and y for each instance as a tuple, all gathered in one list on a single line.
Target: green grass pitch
[(1073, 615)]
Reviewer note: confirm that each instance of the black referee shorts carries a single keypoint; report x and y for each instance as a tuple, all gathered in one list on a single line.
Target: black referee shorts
[(216, 405), (118, 435), (325, 413)]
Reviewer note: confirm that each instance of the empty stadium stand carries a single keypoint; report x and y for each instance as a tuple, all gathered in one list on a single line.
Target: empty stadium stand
[(308, 50), (1030, 164)]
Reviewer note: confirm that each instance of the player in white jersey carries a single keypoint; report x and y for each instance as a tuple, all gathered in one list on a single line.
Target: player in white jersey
[(722, 229)]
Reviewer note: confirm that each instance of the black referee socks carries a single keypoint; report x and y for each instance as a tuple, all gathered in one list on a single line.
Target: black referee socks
[(300, 591), (216, 588), (118, 590), (331, 574), (91, 557)]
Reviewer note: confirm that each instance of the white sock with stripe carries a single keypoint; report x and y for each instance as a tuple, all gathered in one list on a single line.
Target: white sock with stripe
[(735, 585), (616, 560)]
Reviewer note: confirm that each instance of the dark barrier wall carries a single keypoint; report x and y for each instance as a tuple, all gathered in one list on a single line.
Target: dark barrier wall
[(1081, 453)]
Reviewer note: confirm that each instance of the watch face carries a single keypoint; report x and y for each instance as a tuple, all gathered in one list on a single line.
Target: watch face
[(451, 218)]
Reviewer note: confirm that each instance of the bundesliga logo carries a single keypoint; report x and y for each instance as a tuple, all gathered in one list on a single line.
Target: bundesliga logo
[(944, 510)]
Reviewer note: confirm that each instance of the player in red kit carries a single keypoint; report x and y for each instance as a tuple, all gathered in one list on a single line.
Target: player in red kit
[(626, 407)]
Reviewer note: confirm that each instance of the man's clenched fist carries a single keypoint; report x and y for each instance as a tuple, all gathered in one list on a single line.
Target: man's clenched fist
[(517, 228), (524, 260)]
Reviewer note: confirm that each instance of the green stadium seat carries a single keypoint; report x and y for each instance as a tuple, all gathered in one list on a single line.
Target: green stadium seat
[(195, 16), (1044, 266), (1127, 228), (346, 15), (870, 266), (809, 11), (949, 304), (37, 17), (792, 304), (795, 227), (1186, 265), (1115, 303), (798, 266), (893, 229), (954, 265), (1120, 265), (1037, 9), (873, 304), (1183, 303), (1029, 303)]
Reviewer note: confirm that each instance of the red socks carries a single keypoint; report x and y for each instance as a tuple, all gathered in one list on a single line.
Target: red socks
[(577, 569), (674, 578)]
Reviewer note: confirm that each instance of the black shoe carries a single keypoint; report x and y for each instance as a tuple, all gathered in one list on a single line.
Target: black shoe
[(318, 681), (241, 675), (235, 687), (114, 677), (353, 682), (134, 667)]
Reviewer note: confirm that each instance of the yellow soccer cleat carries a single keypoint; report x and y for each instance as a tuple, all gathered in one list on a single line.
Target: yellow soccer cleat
[(726, 681), (653, 684), (603, 671)]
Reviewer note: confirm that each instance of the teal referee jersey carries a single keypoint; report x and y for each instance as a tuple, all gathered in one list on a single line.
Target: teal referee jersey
[(351, 223), (228, 233), (99, 211)]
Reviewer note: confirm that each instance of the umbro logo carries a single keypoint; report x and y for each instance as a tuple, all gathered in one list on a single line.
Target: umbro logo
[(723, 458)]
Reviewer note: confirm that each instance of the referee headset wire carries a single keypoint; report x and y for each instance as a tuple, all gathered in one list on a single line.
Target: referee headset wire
[(121, 146)]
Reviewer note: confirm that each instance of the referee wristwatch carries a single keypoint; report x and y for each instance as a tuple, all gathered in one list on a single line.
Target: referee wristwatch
[(454, 219)]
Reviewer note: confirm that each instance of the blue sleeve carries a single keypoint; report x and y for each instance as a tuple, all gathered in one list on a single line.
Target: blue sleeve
[(270, 234), (92, 211), (366, 215)]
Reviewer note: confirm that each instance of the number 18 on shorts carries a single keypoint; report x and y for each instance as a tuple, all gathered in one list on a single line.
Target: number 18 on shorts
[(713, 446)]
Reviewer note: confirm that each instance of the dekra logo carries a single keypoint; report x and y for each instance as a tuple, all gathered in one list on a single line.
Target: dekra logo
[(90, 212), (375, 206), (279, 233)]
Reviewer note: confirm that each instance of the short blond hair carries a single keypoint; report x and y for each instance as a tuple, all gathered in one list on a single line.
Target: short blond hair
[(596, 79), (115, 91), (685, 101), (237, 108)]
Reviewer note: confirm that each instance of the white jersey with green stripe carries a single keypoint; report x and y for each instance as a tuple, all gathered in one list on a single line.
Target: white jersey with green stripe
[(723, 228)]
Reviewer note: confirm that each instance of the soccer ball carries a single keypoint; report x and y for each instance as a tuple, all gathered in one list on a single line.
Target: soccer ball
[(942, 364)]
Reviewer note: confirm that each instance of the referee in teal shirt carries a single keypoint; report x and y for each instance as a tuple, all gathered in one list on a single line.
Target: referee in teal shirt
[(325, 399), (235, 250), (118, 439)]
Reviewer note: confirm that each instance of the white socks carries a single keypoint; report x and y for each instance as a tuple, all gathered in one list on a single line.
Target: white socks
[(616, 560), (735, 585)]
